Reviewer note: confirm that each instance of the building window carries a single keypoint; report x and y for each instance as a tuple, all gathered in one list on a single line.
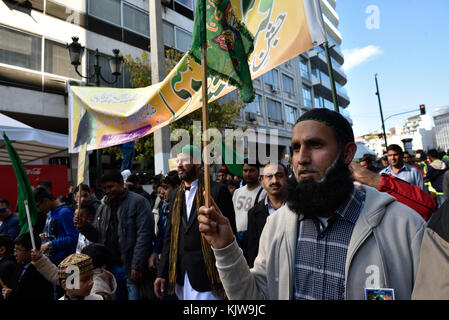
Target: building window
[(168, 31), (183, 39), (290, 114), (57, 60), (304, 67), (271, 78), (136, 20), (274, 110), (186, 3), (230, 98), (328, 104), (20, 49), (307, 97), (108, 10), (315, 73), (254, 106), (288, 84), (318, 103)]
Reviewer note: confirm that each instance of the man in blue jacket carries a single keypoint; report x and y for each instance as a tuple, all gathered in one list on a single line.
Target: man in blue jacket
[(10, 220), (60, 235)]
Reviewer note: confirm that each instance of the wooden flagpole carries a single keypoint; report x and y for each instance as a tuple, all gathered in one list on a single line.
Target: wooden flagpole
[(81, 165), (205, 110)]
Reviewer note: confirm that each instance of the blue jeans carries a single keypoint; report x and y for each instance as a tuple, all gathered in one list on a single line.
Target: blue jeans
[(126, 290), (128, 155)]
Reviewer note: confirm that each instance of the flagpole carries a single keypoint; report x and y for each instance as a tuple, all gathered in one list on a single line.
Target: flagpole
[(205, 108), (331, 76), (81, 166), (30, 226)]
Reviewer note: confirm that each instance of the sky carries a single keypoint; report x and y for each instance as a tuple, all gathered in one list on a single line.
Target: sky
[(406, 42)]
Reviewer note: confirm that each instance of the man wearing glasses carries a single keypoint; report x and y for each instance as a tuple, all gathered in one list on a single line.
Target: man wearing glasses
[(408, 159), (274, 181), (9, 220)]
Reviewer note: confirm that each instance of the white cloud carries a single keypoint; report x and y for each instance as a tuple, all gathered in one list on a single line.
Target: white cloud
[(357, 56)]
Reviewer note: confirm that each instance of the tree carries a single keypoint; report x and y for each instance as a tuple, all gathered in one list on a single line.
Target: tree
[(222, 115)]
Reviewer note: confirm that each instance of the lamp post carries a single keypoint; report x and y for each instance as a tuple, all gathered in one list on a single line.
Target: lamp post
[(381, 113), (76, 51)]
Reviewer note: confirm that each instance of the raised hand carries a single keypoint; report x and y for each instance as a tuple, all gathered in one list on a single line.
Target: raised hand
[(214, 226), (79, 220)]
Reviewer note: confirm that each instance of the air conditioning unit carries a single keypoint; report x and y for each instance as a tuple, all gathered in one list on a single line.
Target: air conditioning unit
[(250, 116), (272, 88)]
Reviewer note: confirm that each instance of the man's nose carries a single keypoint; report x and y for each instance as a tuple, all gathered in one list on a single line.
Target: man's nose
[(303, 156)]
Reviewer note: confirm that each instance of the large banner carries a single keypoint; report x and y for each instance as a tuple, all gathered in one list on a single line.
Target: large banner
[(104, 117)]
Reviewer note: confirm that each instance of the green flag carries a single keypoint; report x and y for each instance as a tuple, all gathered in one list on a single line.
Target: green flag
[(24, 191), (232, 159), (229, 44)]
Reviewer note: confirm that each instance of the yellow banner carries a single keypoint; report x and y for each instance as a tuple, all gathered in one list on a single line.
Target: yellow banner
[(103, 117), (173, 163)]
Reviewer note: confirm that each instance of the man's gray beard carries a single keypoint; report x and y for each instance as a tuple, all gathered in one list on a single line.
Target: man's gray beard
[(312, 198)]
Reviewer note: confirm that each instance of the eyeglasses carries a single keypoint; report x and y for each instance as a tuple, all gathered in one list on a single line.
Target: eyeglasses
[(277, 175)]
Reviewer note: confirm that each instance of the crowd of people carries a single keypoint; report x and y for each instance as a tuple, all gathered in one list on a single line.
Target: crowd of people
[(317, 226)]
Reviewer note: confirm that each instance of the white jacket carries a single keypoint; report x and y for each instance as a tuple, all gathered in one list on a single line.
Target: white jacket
[(383, 252)]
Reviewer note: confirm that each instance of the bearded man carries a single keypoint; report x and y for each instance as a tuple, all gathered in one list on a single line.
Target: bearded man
[(331, 241), (187, 263)]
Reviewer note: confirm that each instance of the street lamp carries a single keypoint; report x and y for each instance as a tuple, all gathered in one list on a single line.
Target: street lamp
[(76, 51), (381, 113)]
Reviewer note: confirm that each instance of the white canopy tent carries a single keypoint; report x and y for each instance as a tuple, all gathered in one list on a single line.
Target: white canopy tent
[(362, 149), (31, 144)]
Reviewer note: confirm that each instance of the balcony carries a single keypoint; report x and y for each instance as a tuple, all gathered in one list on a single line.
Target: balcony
[(323, 88), (318, 60), (330, 12), (332, 30), (335, 51)]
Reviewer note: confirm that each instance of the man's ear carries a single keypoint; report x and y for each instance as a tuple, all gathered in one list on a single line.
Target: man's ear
[(63, 284), (349, 152)]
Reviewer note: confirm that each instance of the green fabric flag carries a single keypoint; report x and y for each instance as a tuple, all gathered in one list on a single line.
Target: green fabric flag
[(232, 159), (24, 191), (229, 44)]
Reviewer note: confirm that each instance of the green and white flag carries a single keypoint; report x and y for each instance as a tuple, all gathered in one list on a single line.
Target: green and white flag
[(24, 191), (229, 44)]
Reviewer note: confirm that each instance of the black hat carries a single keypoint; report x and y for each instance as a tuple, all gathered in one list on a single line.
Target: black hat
[(332, 119)]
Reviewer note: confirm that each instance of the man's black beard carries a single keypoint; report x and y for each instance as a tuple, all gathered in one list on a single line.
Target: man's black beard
[(312, 198), (187, 175)]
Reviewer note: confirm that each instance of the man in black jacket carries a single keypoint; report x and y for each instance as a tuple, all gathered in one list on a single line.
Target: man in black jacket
[(8, 263), (30, 284), (274, 181), (183, 262), (436, 169), (123, 223), (134, 184)]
